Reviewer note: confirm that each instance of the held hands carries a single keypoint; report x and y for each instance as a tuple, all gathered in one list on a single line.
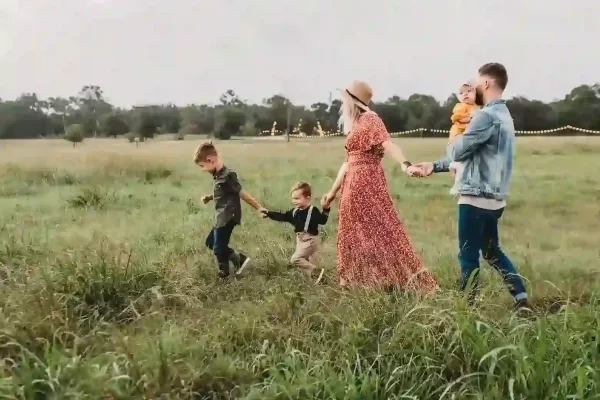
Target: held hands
[(425, 167), (327, 199), (263, 212), (415, 171)]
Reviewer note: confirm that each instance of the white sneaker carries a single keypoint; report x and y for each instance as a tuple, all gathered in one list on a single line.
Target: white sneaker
[(244, 261), (320, 276)]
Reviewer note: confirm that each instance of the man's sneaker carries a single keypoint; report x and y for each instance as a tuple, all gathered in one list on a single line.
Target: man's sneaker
[(240, 262), (320, 277), (523, 309), (521, 304)]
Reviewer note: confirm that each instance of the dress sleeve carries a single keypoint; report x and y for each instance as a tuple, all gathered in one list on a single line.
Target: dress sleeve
[(377, 132)]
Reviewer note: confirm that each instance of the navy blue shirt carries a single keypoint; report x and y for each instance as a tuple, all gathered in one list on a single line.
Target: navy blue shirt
[(307, 220)]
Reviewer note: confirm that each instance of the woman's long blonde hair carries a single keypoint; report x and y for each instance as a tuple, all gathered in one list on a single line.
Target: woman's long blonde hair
[(349, 113)]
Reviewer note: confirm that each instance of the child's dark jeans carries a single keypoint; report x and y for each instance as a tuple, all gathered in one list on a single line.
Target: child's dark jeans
[(218, 241)]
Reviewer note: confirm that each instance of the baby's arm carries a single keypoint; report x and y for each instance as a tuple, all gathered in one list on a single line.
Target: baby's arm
[(460, 113)]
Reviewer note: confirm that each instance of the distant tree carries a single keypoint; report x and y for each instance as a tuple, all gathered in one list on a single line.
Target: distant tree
[(249, 129), (320, 112), (230, 98), (75, 134), (60, 106), (113, 125), (278, 109), (20, 121), (190, 129), (201, 116), (29, 100), (169, 118), (29, 116), (145, 124), (229, 121), (91, 103), (131, 137)]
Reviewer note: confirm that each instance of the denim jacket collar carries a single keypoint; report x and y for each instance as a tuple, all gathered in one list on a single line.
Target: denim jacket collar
[(494, 102)]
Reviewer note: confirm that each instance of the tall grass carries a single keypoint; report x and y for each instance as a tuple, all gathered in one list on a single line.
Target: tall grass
[(107, 292)]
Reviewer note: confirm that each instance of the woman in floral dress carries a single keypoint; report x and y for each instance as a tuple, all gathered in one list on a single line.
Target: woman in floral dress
[(373, 249)]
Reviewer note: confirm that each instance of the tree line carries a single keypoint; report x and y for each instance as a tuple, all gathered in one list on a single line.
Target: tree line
[(90, 114)]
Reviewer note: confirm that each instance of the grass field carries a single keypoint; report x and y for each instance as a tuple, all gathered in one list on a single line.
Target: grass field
[(109, 293)]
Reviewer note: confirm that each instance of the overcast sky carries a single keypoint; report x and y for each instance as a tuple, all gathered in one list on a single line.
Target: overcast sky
[(191, 51)]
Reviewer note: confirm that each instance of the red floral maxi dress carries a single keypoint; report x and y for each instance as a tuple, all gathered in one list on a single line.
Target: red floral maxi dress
[(373, 249)]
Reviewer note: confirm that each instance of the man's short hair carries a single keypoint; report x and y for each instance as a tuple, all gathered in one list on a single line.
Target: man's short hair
[(204, 151), (304, 188), (497, 72)]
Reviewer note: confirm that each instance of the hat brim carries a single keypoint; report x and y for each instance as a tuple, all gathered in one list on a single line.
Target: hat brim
[(347, 97)]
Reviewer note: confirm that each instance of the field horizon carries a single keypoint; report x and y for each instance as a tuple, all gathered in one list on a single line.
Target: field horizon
[(107, 291)]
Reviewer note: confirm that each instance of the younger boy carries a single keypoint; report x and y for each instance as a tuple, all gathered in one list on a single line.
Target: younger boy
[(306, 220), (461, 116), (227, 193)]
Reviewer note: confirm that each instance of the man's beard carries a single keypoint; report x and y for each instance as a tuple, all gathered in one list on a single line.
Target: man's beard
[(478, 96)]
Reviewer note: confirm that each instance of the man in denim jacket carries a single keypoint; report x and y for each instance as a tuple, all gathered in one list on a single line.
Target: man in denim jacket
[(486, 149)]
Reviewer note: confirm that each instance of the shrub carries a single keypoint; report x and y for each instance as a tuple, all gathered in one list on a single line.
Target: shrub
[(131, 137), (249, 129), (189, 129), (113, 125), (90, 198), (75, 134)]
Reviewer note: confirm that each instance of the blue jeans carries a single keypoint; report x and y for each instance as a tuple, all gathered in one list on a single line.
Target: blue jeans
[(478, 232), (218, 241)]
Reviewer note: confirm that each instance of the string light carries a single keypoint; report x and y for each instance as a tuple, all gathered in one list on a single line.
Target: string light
[(297, 133)]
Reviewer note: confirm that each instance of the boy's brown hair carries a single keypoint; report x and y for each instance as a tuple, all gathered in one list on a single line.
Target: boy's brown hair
[(204, 151), (304, 188)]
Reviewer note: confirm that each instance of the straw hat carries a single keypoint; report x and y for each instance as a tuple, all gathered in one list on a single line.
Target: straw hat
[(360, 93)]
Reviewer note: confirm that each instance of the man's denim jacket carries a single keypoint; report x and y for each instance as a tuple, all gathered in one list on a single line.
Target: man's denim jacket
[(486, 149)]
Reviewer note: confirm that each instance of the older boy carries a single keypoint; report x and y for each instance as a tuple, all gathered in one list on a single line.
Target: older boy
[(227, 192)]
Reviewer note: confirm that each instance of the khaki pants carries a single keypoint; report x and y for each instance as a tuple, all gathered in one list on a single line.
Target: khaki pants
[(306, 247)]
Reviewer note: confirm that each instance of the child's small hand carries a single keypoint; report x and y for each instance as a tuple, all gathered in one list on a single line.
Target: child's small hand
[(263, 212), (326, 201), (206, 199)]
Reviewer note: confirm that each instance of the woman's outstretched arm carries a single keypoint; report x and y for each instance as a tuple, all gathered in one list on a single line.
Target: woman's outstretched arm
[(336, 185), (395, 152), (339, 179)]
